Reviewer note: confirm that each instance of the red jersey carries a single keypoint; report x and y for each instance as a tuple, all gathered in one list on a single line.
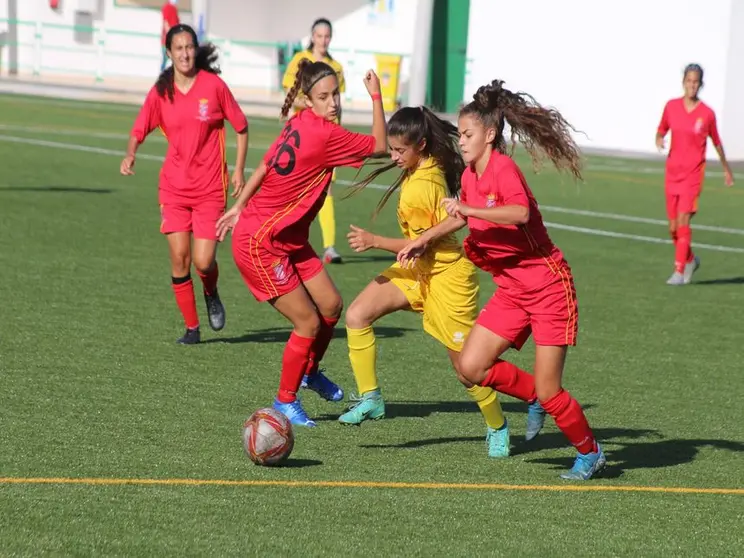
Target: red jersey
[(195, 166), (300, 166), (170, 16), (685, 165), (518, 256)]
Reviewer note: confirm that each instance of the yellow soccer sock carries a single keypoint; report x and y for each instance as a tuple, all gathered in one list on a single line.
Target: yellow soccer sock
[(363, 357), (327, 220), (488, 402)]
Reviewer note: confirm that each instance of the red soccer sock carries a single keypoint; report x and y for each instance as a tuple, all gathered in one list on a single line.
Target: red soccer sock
[(209, 279), (319, 348), (294, 363), (183, 288), (682, 253), (506, 378), (569, 417)]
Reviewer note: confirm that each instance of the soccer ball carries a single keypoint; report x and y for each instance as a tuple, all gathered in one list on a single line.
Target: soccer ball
[(267, 437)]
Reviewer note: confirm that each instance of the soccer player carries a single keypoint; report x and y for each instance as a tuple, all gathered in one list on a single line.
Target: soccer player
[(272, 226), (443, 286), (317, 51), (691, 122), (508, 239), (190, 103)]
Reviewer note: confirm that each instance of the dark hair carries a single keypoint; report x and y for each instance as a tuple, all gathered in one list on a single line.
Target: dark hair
[(308, 74), (416, 125), (320, 21), (543, 131), (694, 68), (206, 59)]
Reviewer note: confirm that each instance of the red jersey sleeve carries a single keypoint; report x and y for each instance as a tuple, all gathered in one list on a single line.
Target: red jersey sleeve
[(347, 149), (149, 116), (230, 107), (664, 123), (510, 184), (713, 131)]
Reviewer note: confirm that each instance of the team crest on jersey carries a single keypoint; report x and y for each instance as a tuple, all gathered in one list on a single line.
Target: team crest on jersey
[(203, 110), (699, 123), (490, 200), (280, 272)]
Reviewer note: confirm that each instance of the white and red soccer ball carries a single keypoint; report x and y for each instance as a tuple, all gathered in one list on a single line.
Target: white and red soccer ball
[(268, 438)]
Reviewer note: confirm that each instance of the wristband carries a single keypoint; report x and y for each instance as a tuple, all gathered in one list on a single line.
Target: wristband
[(376, 97)]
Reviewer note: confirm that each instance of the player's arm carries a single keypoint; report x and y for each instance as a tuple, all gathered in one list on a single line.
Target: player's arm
[(252, 185), (235, 116), (663, 128), (516, 205), (503, 215), (416, 248), (361, 241), (147, 120), (716, 139)]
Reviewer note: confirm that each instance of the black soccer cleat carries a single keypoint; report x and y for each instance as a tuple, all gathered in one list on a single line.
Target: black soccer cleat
[(215, 310), (191, 337)]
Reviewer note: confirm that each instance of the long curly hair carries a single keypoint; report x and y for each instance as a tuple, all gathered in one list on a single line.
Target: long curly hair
[(543, 131)]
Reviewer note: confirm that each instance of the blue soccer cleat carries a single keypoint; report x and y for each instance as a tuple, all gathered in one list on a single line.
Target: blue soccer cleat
[(322, 385), (535, 420), (497, 441), (294, 412), (586, 465)]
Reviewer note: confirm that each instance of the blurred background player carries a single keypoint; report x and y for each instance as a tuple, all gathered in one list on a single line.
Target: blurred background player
[(691, 122), (442, 286), (508, 239), (190, 103), (272, 226), (317, 51), (170, 19)]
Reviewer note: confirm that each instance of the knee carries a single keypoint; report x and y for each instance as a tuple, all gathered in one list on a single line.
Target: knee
[(308, 325), (357, 316), (470, 370), (180, 263), (203, 265), (335, 307), (673, 229)]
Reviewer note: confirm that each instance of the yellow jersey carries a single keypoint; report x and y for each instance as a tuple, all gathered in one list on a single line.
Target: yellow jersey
[(291, 72), (420, 208)]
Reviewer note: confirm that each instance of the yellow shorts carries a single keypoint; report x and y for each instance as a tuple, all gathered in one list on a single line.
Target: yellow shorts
[(448, 300)]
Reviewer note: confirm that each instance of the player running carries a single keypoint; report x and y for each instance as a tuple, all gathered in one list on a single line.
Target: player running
[(190, 103), (691, 122), (272, 226), (508, 239)]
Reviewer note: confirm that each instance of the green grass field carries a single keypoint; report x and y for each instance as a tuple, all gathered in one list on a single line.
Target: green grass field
[(94, 387)]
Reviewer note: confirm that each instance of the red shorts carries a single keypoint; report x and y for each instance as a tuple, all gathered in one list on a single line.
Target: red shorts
[(551, 314), (682, 201), (199, 219), (270, 273)]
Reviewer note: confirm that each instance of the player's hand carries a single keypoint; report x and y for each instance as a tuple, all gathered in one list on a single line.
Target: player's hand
[(360, 240), (227, 222), (238, 182), (372, 82), (127, 166), (455, 209), (407, 256), (728, 178), (660, 144)]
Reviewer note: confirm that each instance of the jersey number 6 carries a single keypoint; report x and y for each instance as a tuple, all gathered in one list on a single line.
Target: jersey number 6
[(288, 146)]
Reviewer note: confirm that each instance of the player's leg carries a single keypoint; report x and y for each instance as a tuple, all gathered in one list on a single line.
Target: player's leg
[(327, 221), (327, 300), (176, 226), (688, 206), (554, 319), (382, 296), (672, 209), (501, 325), (300, 310), (204, 252)]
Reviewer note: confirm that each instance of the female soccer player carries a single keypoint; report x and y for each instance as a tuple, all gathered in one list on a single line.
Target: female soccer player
[(443, 286), (272, 226), (190, 104), (691, 122), (508, 239), (317, 51)]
